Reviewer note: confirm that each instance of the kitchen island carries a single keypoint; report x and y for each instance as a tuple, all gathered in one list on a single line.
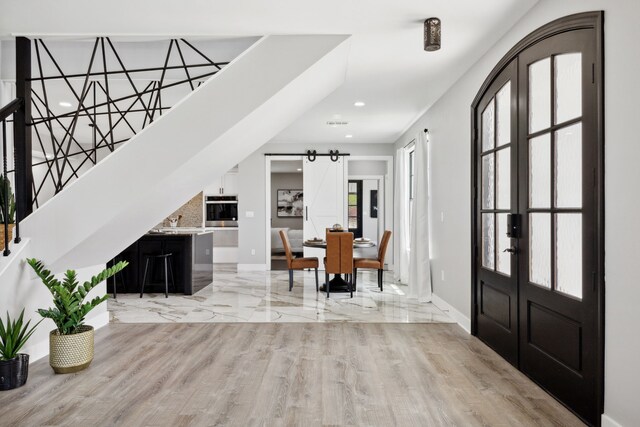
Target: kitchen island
[(191, 261)]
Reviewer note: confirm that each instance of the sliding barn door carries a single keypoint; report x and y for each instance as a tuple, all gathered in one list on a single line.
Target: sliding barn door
[(537, 216), (323, 198)]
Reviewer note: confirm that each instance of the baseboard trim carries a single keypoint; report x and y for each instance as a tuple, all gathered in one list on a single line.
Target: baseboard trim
[(252, 267), (607, 421), (461, 319)]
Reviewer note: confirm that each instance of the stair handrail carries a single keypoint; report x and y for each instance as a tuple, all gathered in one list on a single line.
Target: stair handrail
[(5, 113)]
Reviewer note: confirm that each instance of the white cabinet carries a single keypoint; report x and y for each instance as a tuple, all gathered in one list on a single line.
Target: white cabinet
[(227, 184), (230, 183)]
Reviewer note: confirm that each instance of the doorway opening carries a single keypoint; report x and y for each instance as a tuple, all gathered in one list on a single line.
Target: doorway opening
[(286, 209)]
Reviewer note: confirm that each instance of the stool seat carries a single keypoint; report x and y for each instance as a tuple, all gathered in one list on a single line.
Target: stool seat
[(168, 269)]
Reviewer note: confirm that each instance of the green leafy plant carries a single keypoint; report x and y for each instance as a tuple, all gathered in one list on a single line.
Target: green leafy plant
[(68, 295), (14, 335), (5, 189)]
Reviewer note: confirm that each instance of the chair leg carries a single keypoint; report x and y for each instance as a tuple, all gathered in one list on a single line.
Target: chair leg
[(144, 277), (355, 278), (326, 283), (380, 273), (290, 280), (317, 285), (351, 285)]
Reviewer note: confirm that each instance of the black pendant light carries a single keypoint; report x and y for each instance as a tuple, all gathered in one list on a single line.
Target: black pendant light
[(432, 30)]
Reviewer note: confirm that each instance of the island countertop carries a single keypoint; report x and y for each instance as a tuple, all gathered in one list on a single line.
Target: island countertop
[(194, 231)]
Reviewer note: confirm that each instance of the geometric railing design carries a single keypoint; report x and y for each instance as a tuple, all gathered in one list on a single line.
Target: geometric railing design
[(105, 105)]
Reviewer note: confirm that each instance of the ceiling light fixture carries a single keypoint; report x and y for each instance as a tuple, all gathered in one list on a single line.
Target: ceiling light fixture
[(299, 169), (432, 32), (359, 104), (64, 104), (348, 136)]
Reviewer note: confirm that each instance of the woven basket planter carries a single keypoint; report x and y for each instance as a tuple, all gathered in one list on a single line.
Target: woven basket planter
[(11, 227), (71, 353)]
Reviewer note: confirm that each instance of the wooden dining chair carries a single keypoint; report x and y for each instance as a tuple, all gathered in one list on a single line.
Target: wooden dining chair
[(373, 263), (339, 259), (297, 263)]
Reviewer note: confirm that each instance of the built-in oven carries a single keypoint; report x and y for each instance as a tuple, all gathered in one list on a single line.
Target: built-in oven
[(221, 211)]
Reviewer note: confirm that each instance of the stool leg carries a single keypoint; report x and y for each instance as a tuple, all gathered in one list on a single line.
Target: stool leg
[(115, 287), (173, 283), (144, 277), (317, 280), (166, 279)]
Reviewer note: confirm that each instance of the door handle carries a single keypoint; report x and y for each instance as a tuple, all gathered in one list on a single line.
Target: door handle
[(512, 250), (306, 213)]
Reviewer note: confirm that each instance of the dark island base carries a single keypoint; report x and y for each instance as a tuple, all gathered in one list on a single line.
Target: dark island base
[(188, 279)]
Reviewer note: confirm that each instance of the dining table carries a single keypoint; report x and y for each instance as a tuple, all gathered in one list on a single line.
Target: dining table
[(338, 284)]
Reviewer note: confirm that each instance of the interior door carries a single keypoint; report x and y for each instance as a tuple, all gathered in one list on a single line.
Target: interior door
[(496, 201), (558, 146), (323, 182), (537, 215)]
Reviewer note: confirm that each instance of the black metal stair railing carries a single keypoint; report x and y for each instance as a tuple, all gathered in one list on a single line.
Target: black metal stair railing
[(7, 199)]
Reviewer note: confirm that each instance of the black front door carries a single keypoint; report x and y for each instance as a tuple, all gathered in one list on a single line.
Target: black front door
[(496, 201), (538, 206)]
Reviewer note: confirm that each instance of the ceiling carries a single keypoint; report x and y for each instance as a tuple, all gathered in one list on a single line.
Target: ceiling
[(388, 69)]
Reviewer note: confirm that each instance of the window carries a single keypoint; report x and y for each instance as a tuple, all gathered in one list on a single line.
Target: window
[(412, 180), (354, 208), (412, 177)]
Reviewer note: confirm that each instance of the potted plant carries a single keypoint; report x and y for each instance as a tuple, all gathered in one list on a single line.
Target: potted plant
[(10, 214), (14, 366), (71, 343)]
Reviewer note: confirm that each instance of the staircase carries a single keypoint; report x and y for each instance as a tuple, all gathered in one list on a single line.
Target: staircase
[(219, 124)]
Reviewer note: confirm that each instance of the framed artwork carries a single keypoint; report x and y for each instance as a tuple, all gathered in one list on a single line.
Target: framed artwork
[(290, 204)]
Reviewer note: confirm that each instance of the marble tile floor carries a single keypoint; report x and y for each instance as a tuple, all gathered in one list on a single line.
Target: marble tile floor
[(263, 297)]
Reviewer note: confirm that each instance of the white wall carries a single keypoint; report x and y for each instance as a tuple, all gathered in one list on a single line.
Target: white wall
[(449, 125), (251, 191)]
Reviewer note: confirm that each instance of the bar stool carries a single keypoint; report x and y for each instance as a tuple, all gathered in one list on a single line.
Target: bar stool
[(167, 262)]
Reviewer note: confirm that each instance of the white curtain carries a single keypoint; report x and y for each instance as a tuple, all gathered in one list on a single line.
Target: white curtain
[(401, 218), (419, 268)]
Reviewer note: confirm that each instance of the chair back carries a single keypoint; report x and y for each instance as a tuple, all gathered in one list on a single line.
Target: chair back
[(382, 249), (287, 247), (339, 253)]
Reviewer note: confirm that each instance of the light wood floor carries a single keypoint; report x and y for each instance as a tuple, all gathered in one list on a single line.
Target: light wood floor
[(284, 374)]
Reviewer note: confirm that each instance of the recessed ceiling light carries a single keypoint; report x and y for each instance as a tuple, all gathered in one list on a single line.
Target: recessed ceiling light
[(299, 169), (359, 104), (348, 136), (65, 104)]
